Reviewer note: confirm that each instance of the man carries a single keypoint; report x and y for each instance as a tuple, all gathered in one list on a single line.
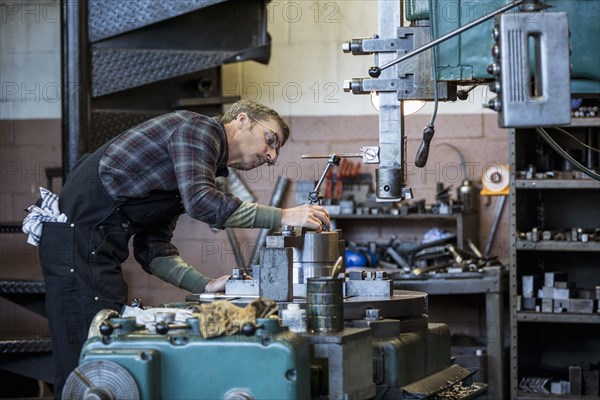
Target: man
[(137, 185)]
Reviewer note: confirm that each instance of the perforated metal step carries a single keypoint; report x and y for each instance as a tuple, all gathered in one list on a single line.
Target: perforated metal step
[(113, 17), (115, 70), (21, 346)]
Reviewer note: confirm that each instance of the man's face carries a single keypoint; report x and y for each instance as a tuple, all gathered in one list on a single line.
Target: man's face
[(261, 142)]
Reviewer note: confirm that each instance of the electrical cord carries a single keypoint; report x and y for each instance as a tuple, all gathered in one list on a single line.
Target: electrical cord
[(463, 163), (575, 139), (566, 155), (433, 68), (429, 131)]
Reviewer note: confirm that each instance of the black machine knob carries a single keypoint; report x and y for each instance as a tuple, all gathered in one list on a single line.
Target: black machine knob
[(248, 329), (162, 328), (374, 72), (106, 329)]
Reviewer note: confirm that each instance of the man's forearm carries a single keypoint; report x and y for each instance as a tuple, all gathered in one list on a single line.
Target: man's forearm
[(177, 272), (252, 215)]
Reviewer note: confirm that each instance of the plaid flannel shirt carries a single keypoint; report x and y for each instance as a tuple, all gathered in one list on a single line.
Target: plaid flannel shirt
[(181, 151)]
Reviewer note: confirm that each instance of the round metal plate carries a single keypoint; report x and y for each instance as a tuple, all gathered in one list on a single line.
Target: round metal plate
[(104, 376), (402, 304)]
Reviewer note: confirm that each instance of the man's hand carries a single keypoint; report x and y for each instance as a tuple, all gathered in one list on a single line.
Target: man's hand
[(216, 284), (308, 216)]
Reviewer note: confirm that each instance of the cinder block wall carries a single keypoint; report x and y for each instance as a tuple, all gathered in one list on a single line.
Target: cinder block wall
[(28, 146), (302, 81)]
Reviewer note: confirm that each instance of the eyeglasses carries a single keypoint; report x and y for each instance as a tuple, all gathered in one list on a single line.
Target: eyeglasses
[(271, 138)]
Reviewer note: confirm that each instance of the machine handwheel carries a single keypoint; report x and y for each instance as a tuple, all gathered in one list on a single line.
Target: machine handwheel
[(100, 380)]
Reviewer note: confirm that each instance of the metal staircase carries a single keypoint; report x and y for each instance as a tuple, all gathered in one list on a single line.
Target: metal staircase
[(123, 63), (145, 58)]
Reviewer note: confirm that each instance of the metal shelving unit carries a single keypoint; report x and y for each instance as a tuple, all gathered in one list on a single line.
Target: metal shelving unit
[(492, 284), (465, 225), (546, 344)]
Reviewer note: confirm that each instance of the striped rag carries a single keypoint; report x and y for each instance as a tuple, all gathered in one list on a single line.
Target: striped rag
[(47, 212)]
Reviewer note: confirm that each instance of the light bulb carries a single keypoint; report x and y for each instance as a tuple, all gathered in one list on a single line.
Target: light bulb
[(410, 106)]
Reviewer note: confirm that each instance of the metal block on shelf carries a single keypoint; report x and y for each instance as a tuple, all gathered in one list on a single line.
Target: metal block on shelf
[(551, 277), (575, 384), (591, 383), (558, 293), (564, 285), (559, 387), (531, 284), (587, 294), (529, 303), (581, 306), (547, 305), (561, 305)]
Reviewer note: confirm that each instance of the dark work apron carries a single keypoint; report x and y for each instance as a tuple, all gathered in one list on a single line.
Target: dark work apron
[(81, 259)]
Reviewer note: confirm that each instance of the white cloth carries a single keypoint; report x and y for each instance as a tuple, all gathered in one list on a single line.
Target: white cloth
[(48, 212), (147, 317)]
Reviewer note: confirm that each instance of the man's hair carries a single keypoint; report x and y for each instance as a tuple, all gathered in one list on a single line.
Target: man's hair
[(256, 111)]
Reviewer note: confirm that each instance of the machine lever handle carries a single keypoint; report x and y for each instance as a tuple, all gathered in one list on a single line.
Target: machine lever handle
[(423, 152)]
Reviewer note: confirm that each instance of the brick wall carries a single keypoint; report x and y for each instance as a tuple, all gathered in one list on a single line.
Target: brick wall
[(29, 146)]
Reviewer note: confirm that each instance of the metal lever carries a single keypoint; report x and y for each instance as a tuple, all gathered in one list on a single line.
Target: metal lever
[(375, 71), (315, 196), (423, 152)]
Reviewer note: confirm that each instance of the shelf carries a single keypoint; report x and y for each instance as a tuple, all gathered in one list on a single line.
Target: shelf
[(460, 283), (557, 184), (391, 216), (584, 122), (563, 318), (526, 396), (559, 203), (555, 245)]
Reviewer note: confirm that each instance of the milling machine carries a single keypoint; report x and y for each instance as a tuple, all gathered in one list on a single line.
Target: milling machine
[(361, 339), (377, 342)]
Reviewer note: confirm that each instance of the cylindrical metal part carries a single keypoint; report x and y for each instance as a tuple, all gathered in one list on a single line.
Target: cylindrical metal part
[(317, 256), (390, 182), (325, 305), (468, 196)]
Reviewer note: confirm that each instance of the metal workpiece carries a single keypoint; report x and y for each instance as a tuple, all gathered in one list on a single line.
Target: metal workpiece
[(319, 248), (275, 278), (551, 278), (316, 256), (530, 285), (242, 287), (371, 288), (324, 305)]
